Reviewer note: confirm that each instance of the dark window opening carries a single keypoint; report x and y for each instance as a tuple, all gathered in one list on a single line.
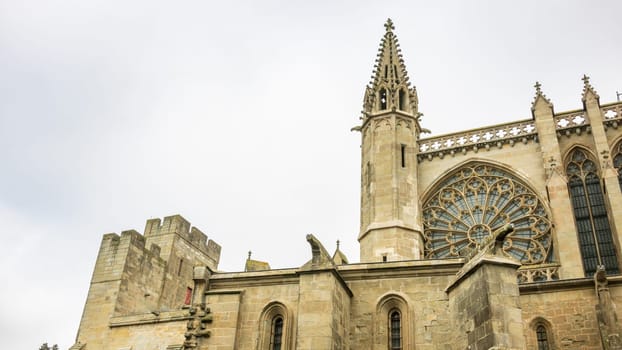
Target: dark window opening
[(395, 331), (277, 333), (543, 342), (181, 263), (384, 258), (590, 213), (386, 72), (382, 95), (403, 153)]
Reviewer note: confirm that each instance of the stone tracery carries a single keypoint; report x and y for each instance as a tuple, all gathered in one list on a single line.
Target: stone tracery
[(478, 199)]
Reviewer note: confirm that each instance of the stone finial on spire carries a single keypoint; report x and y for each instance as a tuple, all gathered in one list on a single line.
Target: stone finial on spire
[(538, 87), (588, 90), (389, 25), (540, 96)]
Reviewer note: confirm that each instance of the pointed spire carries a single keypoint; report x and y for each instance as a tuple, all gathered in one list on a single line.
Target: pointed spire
[(339, 257), (588, 89), (540, 96), (389, 88)]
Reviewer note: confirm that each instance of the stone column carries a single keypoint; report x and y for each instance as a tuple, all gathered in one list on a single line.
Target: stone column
[(484, 300), (565, 236)]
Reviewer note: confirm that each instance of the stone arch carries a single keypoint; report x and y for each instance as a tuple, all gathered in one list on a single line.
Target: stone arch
[(469, 202), (536, 325), (580, 147), (385, 306), (508, 168), (272, 311)]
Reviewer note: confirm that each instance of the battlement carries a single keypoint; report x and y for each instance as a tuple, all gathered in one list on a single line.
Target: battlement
[(176, 224)]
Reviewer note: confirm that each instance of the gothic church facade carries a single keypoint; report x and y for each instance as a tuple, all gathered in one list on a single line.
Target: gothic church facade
[(501, 237)]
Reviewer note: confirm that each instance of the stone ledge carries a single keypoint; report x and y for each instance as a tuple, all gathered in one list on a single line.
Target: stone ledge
[(567, 284), (154, 317)]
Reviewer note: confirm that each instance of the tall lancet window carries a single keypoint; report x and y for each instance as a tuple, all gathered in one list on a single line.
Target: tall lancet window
[(277, 333), (590, 214), (395, 330), (617, 162)]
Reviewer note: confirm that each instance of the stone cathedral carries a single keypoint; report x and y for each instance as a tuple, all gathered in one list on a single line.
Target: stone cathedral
[(506, 236)]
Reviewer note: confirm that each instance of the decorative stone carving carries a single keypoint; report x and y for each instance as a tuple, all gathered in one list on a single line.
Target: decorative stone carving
[(606, 313), (475, 201), (320, 257), (197, 326)]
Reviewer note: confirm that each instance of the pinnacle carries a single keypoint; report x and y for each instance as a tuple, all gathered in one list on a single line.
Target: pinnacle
[(587, 87), (539, 94)]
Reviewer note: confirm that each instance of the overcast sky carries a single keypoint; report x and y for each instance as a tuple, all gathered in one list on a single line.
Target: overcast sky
[(237, 116)]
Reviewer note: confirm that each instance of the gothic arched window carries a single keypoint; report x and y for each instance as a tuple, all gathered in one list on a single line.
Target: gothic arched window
[(277, 333), (393, 323), (382, 98), (473, 202), (617, 162), (275, 327), (543, 331), (590, 214), (395, 330), (542, 337)]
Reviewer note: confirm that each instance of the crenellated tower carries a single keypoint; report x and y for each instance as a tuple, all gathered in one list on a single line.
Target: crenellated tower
[(390, 216)]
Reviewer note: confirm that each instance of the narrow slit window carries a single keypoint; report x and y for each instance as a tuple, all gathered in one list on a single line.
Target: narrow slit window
[(403, 155), (181, 264)]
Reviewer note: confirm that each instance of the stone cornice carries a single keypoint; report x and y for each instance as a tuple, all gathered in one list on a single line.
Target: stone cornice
[(149, 318), (565, 285)]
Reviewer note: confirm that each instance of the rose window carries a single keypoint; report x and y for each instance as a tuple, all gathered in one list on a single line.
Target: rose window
[(474, 202)]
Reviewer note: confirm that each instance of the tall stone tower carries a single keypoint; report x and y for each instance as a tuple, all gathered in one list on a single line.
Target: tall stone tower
[(390, 216)]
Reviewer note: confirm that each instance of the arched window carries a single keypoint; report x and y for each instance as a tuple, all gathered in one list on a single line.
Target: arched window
[(542, 338), (475, 200), (276, 327), (617, 162), (542, 329), (393, 323), (590, 214), (277, 333), (395, 330), (382, 98)]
